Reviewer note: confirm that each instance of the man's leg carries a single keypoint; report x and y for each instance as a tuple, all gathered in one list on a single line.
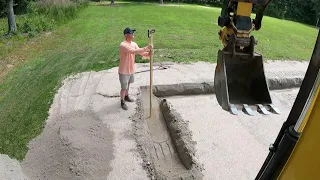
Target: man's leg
[(123, 93), (127, 90), (122, 96), (127, 98), (124, 85)]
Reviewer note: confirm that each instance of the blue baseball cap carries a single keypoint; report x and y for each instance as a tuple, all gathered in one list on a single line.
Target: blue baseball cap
[(128, 31)]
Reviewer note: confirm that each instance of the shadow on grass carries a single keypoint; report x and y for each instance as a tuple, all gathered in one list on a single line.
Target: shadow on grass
[(122, 4)]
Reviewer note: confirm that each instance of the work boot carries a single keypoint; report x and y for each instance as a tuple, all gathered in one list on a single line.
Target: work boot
[(123, 105), (126, 98)]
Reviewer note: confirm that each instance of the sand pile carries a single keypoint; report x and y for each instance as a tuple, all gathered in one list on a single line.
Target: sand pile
[(76, 146)]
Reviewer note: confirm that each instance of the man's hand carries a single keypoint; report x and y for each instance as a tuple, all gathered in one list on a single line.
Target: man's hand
[(151, 53), (148, 52), (150, 46), (147, 55)]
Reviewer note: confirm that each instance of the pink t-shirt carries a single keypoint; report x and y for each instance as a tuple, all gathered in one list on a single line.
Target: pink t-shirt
[(128, 53)]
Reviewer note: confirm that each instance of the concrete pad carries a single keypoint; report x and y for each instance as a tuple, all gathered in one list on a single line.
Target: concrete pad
[(95, 95), (127, 163), (229, 146), (192, 73), (10, 169), (92, 118)]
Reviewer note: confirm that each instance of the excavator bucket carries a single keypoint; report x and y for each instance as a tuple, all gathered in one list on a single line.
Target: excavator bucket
[(240, 83)]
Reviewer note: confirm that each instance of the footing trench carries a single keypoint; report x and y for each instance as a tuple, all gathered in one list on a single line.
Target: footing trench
[(164, 139), (169, 147)]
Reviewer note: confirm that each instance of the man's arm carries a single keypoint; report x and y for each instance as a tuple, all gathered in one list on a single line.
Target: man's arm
[(129, 49), (143, 54)]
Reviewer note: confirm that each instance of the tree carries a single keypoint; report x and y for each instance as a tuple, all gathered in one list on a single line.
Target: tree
[(11, 19), (161, 2), (112, 2), (316, 6), (317, 9)]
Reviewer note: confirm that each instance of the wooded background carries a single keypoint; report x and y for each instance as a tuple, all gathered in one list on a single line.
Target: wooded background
[(45, 13)]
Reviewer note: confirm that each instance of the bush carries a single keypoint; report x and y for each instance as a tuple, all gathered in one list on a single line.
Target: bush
[(2, 8), (44, 16), (3, 26), (62, 13), (33, 24)]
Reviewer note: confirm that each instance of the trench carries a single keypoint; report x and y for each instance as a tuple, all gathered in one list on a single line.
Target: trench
[(172, 149)]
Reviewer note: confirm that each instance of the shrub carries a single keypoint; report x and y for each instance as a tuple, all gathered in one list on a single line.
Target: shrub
[(33, 24), (45, 15)]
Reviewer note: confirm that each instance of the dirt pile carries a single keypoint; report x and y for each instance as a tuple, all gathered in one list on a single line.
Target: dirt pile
[(73, 147)]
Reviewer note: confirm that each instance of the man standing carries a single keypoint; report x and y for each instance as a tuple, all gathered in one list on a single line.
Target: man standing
[(128, 50)]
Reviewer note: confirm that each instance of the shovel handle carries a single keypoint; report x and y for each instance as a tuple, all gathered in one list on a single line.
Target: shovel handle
[(150, 32)]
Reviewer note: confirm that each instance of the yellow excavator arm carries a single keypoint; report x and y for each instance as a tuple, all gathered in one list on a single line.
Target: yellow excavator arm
[(240, 81)]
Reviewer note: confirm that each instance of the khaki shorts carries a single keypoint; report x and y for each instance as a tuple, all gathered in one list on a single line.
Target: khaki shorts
[(125, 79)]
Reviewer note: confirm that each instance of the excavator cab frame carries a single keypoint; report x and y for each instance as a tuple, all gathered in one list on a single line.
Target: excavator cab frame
[(295, 152)]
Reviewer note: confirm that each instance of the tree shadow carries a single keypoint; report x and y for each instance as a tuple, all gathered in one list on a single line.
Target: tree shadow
[(120, 4)]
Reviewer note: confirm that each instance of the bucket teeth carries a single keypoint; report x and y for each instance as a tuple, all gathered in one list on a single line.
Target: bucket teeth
[(262, 109), (233, 109), (247, 109), (274, 109)]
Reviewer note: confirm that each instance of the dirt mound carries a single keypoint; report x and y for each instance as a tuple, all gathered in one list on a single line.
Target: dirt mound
[(74, 147)]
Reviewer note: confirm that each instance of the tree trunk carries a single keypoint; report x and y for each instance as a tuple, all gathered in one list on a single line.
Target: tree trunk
[(317, 22), (10, 14), (112, 2), (161, 2)]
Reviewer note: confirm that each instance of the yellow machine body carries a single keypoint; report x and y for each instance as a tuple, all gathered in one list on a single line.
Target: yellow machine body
[(244, 9), (304, 162), (224, 35)]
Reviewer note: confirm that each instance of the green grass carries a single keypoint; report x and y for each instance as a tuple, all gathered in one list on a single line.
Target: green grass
[(281, 39), (8, 44), (40, 18), (90, 42)]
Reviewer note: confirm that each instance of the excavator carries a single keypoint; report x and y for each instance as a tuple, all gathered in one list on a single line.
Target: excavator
[(240, 82)]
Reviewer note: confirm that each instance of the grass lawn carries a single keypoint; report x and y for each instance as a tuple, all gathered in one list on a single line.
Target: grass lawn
[(90, 42)]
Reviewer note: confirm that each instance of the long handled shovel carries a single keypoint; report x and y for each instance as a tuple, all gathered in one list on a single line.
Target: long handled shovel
[(150, 32)]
